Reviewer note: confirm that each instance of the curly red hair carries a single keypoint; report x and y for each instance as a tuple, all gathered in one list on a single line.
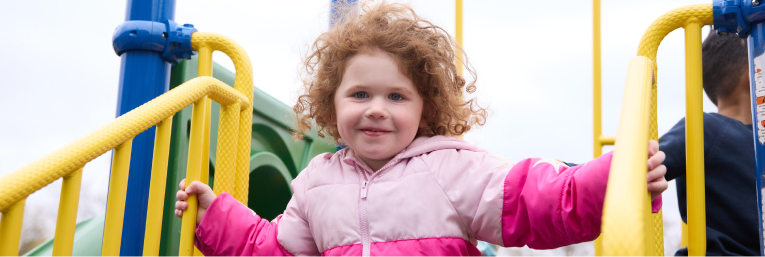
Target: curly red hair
[(425, 52)]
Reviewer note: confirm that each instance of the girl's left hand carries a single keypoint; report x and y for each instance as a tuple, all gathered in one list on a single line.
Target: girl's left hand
[(656, 170)]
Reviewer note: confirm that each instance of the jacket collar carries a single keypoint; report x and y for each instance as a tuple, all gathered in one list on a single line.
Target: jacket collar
[(420, 146)]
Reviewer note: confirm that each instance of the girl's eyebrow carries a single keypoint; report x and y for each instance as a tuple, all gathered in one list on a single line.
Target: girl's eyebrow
[(394, 88)]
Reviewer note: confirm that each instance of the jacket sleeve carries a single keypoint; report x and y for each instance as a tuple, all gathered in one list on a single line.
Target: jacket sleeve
[(230, 229), (537, 202)]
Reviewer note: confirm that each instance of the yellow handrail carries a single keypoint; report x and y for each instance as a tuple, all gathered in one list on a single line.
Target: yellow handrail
[(232, 156), (627, 227)]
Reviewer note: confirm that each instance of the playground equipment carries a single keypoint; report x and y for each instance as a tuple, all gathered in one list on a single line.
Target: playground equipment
[(628, 229), (269, 146), (745, 18)]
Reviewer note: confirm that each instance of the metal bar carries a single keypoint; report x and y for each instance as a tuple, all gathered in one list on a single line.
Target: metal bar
[(115, 204), (144, 75), (458, 35), (756, 43), (204, 68), (626, 200), (157, 189), (597, 145), (66, 221), (10, 228), (196, 144), (604, 140), (694, 133)]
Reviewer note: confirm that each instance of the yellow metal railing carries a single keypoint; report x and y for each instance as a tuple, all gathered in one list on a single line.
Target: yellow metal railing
[(232, 157), (629, 228)]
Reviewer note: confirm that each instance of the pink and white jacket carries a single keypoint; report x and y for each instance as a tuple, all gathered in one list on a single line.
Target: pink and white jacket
[(437, 197)]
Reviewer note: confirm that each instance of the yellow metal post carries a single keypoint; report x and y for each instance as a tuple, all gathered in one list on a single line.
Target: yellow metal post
[(196, 145), (156, 204), (10, 228), (694, 133), (597, 146), (67, 214), (115, 204), (204, 68), (458, 34)]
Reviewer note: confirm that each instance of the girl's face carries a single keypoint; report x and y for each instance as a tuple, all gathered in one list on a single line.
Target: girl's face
[(378, 108)]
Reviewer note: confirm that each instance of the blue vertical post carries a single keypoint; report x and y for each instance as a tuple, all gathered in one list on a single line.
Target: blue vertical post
[(747, 19), (757, 87), (337, 9), (144, 75)]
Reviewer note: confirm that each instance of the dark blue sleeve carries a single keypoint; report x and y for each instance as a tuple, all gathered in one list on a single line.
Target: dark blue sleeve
[(672, 144)]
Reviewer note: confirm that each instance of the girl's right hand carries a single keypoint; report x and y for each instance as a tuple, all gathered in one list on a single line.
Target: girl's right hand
[(205, 197)]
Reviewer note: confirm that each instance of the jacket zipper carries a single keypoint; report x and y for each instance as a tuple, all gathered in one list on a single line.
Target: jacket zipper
[(366, 240)]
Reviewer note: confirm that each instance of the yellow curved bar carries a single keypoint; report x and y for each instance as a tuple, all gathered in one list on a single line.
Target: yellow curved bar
[(30, 178), (243, 84), (156, 204), (694, 138), (10, 228), (66, 221), (623, 231), (649, 45), (115, 201)]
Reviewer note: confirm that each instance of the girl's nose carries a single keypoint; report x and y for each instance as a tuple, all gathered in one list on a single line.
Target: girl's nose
[(376, 110)]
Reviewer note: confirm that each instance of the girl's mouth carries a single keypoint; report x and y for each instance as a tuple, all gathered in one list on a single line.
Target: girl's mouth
[(374, 132)]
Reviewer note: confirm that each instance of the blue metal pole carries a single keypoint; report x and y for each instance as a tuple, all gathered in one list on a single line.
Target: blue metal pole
[(338, 9), (757, 87), (144, 75), (747, 19)]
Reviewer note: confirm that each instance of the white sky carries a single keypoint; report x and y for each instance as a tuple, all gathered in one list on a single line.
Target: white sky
[(534, 64)]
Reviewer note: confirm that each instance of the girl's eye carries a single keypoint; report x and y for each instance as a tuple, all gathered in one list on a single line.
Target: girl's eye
[(395, 97), (360, 95)]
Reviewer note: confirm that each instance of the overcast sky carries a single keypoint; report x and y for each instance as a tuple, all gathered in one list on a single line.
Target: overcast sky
[(534, 65)]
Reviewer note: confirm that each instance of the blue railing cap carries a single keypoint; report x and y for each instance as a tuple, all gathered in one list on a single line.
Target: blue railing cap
[(173, 41)]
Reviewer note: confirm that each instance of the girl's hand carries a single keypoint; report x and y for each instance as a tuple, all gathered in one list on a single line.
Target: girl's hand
[(205, 196), (656, 182)]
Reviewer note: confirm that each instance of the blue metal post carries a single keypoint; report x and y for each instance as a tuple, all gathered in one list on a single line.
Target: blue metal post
[(144, 75), (747, 19), (757, 87), (337, 9)]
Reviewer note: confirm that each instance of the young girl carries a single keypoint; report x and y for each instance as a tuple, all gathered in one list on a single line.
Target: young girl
[(384, 83)]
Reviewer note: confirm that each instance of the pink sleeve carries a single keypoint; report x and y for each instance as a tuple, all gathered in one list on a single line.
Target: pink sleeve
[(548, 205), (230, 229)]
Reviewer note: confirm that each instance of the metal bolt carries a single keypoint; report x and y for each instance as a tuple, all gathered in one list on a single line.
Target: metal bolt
[(756, 2)]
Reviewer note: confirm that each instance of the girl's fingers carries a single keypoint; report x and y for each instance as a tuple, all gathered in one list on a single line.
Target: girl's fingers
[(182, 185), (653, 147), (179, 213), (656, 159), (179, 205), (657, 173), (658, 185), (181, 195)]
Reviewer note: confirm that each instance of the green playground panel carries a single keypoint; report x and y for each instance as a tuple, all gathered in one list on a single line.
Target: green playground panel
[(275, 159)]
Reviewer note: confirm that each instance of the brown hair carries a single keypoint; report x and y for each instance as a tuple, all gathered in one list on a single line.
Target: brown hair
[(424, 52), (724, 61)]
